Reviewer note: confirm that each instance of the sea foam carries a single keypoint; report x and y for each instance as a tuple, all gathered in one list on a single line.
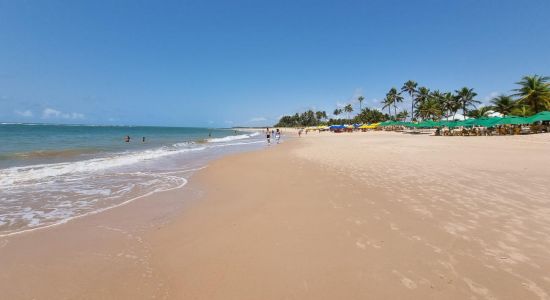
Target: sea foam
[(232, 138)]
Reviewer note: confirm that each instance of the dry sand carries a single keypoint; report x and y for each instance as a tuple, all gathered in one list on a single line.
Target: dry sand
[(328, 216)]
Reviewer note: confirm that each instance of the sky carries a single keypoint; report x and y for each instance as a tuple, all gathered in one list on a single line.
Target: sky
[(246, 63)]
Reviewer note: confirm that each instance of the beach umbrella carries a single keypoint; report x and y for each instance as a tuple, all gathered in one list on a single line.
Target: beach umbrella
[(486, 122), (541, 116), (452, 124), (513, 120), (427, 124), (469, 122)]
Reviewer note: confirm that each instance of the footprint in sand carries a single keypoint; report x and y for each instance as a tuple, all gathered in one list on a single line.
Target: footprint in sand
[(362, 244), (407, 282), (478, 289)]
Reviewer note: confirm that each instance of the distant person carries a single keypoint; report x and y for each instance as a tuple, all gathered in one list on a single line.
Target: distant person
[(143, 139), (127, 139), (300, 133), (268, 136), (210, 134), (278, 135)]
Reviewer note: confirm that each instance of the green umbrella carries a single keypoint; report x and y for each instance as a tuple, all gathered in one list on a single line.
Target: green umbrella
[(513, 120), (487, 122), (541, 116), (452, 124), (469, 122)]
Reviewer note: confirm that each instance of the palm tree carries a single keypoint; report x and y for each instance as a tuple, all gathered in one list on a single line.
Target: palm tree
[(395, 98), (422, 95), (402, 115), (360, 99), (503, 104), (535, 92), (387, 103), (438, 97), (480, 112), (337, 111), (348, 109), (319, 116), (324, 114), (450, 104), (522, 110), (466, 98), (410, 88), (429, 109)]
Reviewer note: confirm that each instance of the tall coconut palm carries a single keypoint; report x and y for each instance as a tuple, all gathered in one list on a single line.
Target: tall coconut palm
[(348, 109), (387, 103), (535, 92), (360, 99), (422, 95), (450, 104), (395, 98), (409, 87), (466, 98), (319, 116), (337, 111), (429, 109), (503, 104), (438, 97)]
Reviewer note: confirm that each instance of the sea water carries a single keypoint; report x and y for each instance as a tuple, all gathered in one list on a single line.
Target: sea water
[(50, 174)]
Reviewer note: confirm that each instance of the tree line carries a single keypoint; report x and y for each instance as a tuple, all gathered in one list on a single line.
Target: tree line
[(531, 96)]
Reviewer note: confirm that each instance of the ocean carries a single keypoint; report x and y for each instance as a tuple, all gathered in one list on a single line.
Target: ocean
[(50, 174)]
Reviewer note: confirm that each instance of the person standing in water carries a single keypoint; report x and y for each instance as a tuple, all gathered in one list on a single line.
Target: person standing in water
[(268, 136), (143, 139), (127, 139), (278, 135)]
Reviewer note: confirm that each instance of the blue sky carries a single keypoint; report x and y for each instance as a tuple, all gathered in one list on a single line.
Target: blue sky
[(225, 63)]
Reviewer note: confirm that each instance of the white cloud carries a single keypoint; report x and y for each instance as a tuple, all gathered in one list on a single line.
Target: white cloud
[(50, 112), (24, 113), (258, 119), (54, 113)]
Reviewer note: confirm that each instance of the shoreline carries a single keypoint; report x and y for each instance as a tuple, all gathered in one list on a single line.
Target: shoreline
[(314, 218)]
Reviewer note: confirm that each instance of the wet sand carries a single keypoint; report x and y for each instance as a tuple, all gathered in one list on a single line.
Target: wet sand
[(328, 216)]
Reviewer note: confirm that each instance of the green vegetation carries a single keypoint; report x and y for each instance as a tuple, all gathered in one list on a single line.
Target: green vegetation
[(531, 97)]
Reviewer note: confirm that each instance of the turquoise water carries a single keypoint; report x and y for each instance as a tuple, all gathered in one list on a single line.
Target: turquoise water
[(23, 144), (50, 174)]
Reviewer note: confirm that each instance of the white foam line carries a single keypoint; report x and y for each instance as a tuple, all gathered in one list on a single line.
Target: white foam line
[(94, 212), (182, 171)]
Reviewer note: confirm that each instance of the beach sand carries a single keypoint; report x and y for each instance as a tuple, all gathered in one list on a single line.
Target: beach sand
[(371, 215)]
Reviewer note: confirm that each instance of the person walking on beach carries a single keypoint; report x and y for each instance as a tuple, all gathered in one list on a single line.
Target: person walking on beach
[(268, 136), (278, 135)]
